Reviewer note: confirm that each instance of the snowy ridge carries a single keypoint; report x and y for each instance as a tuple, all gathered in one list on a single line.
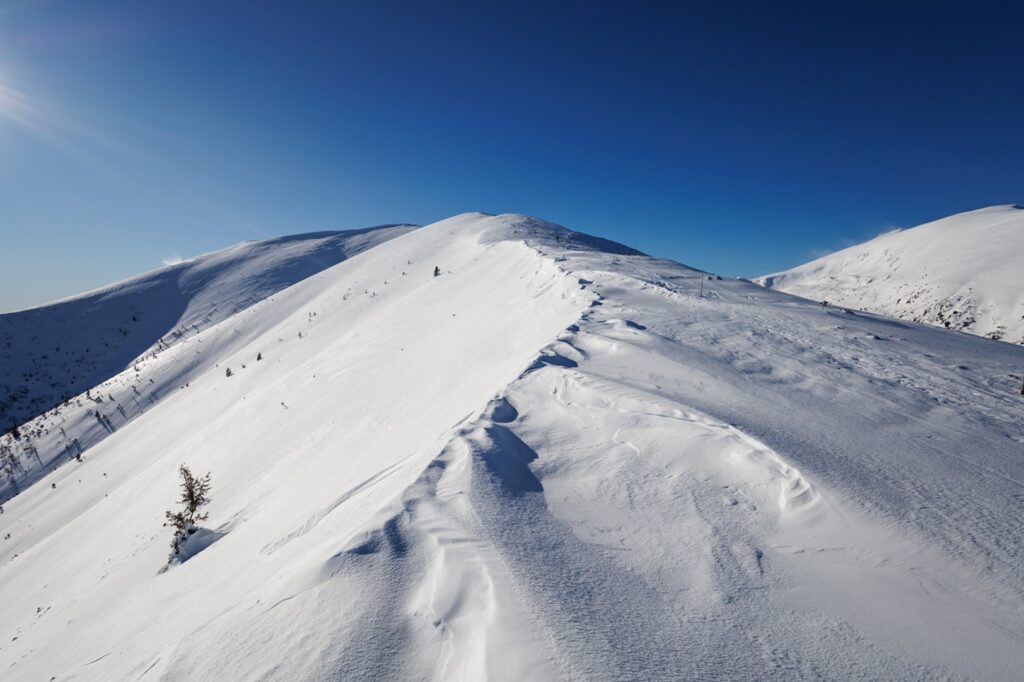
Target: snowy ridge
[(553, 461), (54, 352), (961, 272)]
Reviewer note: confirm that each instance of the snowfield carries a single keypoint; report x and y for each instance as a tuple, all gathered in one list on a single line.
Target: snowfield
[(57, 351), (555, 460), (963, 272)]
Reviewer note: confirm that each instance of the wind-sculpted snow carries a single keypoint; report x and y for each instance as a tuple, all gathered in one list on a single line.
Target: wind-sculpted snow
[(961, 272), (552, 461)]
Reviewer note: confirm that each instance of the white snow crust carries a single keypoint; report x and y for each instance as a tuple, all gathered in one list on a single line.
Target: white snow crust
[(553, 461), (965, 272), (53, 352)]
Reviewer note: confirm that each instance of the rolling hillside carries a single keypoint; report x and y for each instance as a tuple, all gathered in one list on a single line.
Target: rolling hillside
[(52, 353), (963, 272), (552, 460)]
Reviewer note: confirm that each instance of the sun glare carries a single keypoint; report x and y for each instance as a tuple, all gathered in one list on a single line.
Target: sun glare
[(16, 105)]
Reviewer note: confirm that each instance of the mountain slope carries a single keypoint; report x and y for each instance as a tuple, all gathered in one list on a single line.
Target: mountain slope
[(54, 352), (961, 272), (553, 461)]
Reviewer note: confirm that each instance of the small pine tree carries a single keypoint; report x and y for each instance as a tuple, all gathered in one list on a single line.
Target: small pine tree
[(259, 356), (228, 372), (194, 495)]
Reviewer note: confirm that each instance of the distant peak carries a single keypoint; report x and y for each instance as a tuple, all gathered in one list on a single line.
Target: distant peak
[(327, 234), (536, 231)]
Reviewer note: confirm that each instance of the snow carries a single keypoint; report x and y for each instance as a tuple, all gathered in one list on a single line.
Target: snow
[(52, 353), (961, 272), (553, 461)]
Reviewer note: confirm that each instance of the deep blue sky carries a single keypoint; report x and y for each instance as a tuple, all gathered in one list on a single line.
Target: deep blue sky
[(740, 139)]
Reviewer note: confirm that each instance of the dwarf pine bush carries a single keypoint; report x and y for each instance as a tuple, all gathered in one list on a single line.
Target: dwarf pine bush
[(194, 495)]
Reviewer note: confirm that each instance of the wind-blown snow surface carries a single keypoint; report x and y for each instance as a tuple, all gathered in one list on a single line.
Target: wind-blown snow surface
[(551, 462), (54, 352), (963, 272)]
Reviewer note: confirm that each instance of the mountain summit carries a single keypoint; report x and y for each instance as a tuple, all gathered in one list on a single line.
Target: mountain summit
[(963, 272), (495, 449)]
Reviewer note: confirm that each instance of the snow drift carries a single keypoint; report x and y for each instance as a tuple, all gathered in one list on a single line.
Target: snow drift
[(962, 272), (552, 461)]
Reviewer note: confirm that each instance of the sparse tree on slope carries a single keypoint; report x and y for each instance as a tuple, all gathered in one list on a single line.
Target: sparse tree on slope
[(194, 495)]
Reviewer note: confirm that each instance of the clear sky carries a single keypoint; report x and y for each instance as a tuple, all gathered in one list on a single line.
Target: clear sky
[(739, 138)]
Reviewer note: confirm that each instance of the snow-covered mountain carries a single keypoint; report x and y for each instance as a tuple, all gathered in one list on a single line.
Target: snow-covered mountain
[(964, 272), (54, 352), (554, 460)]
